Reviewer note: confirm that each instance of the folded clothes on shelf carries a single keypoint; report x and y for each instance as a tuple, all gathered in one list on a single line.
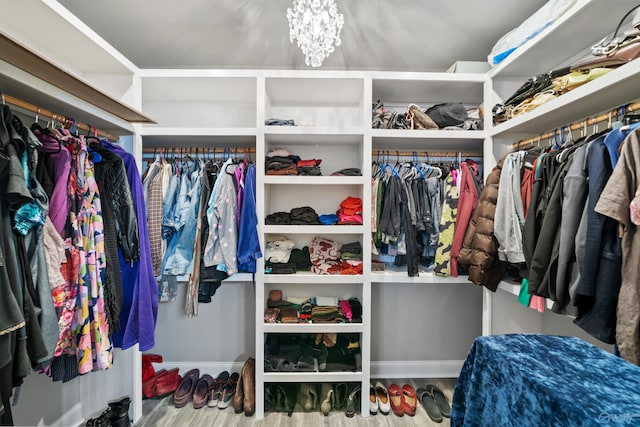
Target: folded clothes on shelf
[(350, 211), (325, 301), (304, 215), (281, 166), (348, 172), (328, 219), (280, 122), (278, 249), (279, 267), (309, 167), (278, 218), (288, 315), (327, 314), (301, 258), (350, 267), (279, 152)]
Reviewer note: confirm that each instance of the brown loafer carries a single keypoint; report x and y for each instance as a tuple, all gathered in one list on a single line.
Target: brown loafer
[(249, 386), (183, 393), (238, 396), (201, 391)]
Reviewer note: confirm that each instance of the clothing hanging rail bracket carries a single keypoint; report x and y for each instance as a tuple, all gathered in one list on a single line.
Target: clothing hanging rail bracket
[(64, 120)]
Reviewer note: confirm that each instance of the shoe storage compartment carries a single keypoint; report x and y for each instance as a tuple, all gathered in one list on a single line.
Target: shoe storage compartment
[(318, 352), (306, 397)]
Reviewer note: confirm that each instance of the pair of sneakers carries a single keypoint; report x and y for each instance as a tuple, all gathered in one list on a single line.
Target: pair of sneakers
[(379, 399), (222, 389)]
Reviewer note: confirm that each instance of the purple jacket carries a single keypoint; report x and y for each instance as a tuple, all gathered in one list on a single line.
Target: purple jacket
[(140, 307), (58, 203)]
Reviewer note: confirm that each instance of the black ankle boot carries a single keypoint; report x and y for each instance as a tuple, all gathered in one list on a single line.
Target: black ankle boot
[(120, 413), (104, 420)]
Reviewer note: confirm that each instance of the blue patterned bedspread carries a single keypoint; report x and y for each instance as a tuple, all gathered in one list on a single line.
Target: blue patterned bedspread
[(541, 380)]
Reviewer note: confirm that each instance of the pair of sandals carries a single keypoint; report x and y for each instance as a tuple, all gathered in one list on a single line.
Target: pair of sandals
[(434, 402)]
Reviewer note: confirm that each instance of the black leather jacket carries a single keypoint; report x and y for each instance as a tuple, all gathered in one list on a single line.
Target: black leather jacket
[(117, 193)]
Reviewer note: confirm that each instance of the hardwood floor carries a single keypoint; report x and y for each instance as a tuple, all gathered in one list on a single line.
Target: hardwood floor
[(162, 413)]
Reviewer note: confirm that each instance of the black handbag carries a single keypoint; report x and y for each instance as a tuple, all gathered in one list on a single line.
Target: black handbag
[(529, 89), (614, 50), (448, 114)]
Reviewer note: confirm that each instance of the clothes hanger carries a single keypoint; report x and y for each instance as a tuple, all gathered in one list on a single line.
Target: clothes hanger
[(93, 144)]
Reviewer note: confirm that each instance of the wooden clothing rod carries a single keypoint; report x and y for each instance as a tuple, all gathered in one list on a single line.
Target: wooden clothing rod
[(242, 150), (67, 122), (206, 150), (581, 124), (396, 153)]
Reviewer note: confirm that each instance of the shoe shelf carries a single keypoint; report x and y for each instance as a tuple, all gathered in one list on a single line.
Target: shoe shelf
[(312, 180), (313, 229), (309, 278), (313, 328), (312, 377)]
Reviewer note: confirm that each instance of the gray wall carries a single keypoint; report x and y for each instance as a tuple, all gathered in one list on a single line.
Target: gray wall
[(224, 330), (424, 321), (409, 322)]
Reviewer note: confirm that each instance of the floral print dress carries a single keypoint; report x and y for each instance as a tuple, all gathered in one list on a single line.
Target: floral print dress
[(83, 324)]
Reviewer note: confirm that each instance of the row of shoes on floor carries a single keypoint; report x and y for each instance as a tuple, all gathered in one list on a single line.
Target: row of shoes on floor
[(227, 389), (116, 415), (284, 397), (404, 400)]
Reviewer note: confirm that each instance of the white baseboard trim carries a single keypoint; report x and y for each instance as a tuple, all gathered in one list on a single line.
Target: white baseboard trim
[(416, 369), (73, 417), (211, 368), (383, 369)]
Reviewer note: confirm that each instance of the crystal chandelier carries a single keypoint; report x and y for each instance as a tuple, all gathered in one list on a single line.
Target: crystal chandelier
[(316, 24)]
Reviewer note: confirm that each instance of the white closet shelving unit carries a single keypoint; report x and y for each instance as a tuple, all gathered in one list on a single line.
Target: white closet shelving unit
[(565, 40), (427, 299), (329, 110)]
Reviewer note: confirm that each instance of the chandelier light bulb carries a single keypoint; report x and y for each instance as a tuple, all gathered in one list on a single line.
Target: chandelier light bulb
[(316, 26)]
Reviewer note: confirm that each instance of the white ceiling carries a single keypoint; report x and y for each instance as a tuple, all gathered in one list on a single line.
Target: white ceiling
[(399, 35)]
